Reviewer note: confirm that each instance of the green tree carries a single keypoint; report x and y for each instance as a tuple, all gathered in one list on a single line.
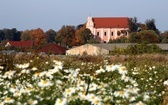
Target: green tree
[(147, 36), (93, 40), (133, 37), (8, 34), (164, 37), (16, 34), (26, 35), (65, 36), (133, 24), (150, 23), (1, 35), (50, 36), (122, 39)]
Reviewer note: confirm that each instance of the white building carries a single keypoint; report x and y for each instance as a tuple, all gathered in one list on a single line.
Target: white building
[(106, 28)]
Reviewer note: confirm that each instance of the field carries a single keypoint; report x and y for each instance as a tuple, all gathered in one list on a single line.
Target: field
[(84, 80)]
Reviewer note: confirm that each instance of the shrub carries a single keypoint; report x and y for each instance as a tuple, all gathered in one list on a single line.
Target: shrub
[(138, 49)]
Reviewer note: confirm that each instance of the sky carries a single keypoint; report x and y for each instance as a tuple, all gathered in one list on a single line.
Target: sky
[(53, 14)]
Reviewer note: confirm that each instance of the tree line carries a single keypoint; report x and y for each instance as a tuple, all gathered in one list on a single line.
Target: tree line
[(143, 32), (69, 36)]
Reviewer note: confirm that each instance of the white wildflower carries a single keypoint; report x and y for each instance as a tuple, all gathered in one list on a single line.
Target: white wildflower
[(45, 83), (32, 102), (9, 74), (112, 67), (101, 70), (140, 103), (69, 92), (61, 101), (165, 83), (8, 100), (34, 68), (97, 101), (122, 70), (22, 66), (125, 78), (123, 93)]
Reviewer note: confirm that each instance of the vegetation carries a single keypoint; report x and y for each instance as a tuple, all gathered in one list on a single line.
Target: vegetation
[(138, 49), (85, 80)]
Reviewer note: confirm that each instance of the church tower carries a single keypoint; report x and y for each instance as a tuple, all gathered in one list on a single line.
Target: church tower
[(90, 24)]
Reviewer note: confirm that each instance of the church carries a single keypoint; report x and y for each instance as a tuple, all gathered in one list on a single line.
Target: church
[(106, 28)]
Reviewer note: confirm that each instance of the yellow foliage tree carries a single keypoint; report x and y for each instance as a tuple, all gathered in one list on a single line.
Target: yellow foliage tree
[(38, 36)]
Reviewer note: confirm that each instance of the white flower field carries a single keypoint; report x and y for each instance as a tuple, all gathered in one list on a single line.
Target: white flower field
[(54, 82)]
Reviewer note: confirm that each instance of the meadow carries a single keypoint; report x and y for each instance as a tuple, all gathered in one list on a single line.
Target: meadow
[(84, 80)]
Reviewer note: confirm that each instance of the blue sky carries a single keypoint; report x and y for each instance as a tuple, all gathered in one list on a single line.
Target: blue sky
[(53, 14)]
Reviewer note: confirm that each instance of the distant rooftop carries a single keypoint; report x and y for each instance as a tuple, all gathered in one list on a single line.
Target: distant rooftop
[(110, 22)]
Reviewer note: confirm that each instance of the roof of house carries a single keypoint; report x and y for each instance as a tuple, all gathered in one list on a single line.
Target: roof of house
[(53, 48), (21, 43), (111, 22)]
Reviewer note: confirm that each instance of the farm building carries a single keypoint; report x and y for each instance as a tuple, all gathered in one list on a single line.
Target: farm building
[(87, 49), (53, 48)]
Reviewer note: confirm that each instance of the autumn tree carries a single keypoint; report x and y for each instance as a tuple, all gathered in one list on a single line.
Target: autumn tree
[(143, 27), (50, 36), (26, 35), (82, 35), (65, 36), (38, 36)]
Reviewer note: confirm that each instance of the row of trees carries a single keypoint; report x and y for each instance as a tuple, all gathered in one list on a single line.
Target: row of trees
[(67, 36), (73, 36)]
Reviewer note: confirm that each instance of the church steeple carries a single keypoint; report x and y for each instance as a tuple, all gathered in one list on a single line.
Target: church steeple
[(90, 22)]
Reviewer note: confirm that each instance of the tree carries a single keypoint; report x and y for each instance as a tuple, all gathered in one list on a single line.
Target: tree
[(147, 36), (80, 26), (1, 35), (50, 36), (11, 34), (150, 23), (93, 40), (26, 35), (143, 27), (122, 39), (65, 36), (133, 37), (164, 37), (133, 24), (16, 34), (7, 34), (38, 36), (82, 35)]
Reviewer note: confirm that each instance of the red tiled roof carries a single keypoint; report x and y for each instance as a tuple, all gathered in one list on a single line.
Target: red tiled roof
[(21, 43), (110, 22), (53, 48)]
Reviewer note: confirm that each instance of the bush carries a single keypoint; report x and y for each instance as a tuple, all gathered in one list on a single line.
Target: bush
[(138, 49)]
